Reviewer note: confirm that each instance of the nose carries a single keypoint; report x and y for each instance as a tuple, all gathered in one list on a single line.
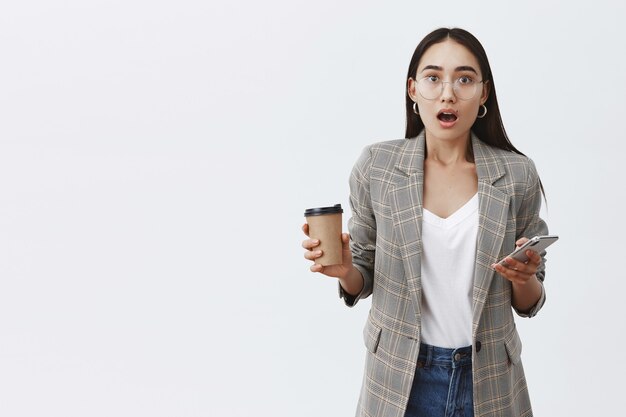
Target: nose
[(447, 92)]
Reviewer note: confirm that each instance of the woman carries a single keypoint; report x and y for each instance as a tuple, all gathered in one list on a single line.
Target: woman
[(432, 214)]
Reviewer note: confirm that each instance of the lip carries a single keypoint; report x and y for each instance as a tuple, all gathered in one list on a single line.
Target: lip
[(447, 125), (452, 111)]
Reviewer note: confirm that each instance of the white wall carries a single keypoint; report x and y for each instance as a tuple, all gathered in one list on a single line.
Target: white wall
[(156, 158)]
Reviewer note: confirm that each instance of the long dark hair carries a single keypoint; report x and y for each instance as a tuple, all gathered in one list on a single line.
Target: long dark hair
[(490, 128)]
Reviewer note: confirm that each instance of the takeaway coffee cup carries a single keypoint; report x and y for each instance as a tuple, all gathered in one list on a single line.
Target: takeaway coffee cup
[(325, 226)]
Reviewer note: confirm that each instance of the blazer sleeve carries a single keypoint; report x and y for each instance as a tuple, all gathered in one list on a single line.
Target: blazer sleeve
[(529, 224), (362, 227)]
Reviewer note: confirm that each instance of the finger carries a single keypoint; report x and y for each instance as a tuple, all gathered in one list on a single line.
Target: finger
[(345, 241), (527, 268), (312, 255), (512, 275), (310, 243), (305, 228), (513, 269), (533, 257), (317, 268), (521, 241), (345, 249), (516, 265)]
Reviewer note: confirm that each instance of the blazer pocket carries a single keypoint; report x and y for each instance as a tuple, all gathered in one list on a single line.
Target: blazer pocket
[(371, 335), (513, 345)]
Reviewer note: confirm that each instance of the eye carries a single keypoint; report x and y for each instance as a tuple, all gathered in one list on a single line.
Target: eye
[(431, 78), (465, 80)]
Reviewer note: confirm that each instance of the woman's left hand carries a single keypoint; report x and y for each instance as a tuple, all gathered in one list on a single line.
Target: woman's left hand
[(520, 272)]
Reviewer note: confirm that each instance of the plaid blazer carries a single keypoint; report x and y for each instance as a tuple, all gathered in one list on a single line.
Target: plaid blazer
[(386, 187)]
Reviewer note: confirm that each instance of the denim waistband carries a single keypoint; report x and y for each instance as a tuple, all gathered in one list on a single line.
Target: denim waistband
[(450, 358)]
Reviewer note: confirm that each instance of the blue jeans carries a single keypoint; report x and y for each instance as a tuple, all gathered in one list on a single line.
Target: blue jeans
[(442, 386)]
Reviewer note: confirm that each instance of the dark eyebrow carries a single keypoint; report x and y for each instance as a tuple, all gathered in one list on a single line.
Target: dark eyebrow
[(431, 67), (457, 69), (466, 68)]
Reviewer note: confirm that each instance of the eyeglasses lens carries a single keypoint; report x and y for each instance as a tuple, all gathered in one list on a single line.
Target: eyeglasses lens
[(431, 90)]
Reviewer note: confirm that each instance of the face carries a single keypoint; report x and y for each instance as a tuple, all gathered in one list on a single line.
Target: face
[(448, 113)]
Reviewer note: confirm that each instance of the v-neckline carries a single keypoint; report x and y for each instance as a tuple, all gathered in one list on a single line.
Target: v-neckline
[(455, 218)]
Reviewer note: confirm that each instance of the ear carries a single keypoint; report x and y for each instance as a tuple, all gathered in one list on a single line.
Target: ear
[(411, 89), (486, 90)]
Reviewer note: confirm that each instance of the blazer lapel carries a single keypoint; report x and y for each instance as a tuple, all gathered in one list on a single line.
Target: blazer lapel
[(406, 203), (493, 208), (406, 198)]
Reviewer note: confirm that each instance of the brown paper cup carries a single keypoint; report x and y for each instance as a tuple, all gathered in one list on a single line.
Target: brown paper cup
[(325, 226)]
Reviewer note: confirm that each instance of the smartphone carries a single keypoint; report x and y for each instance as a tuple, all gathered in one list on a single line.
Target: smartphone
[(537, 243)]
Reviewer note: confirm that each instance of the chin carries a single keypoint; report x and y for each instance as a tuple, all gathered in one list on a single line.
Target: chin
[(453, 133)]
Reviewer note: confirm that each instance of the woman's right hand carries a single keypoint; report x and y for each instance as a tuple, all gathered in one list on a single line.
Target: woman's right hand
[(312, 253)]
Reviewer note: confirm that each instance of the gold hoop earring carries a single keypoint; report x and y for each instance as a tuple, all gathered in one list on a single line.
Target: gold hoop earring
[(415, 109), (480, 116)]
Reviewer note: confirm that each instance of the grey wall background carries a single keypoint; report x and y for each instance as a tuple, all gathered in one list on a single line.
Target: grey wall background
[(156, 158)]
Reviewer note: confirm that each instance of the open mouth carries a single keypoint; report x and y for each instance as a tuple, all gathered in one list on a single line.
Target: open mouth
[(447, 117)]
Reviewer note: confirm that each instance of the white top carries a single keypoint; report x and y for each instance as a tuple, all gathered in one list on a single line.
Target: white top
[(448, 260)]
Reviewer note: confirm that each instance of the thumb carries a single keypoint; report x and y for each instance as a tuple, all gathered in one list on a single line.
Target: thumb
[(521, 241), (345, 241)]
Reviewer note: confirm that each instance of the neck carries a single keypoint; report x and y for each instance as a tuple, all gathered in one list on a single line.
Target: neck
[(449, 151)]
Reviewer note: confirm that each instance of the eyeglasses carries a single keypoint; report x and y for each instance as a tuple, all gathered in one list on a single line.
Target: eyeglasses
[(431, 87)]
